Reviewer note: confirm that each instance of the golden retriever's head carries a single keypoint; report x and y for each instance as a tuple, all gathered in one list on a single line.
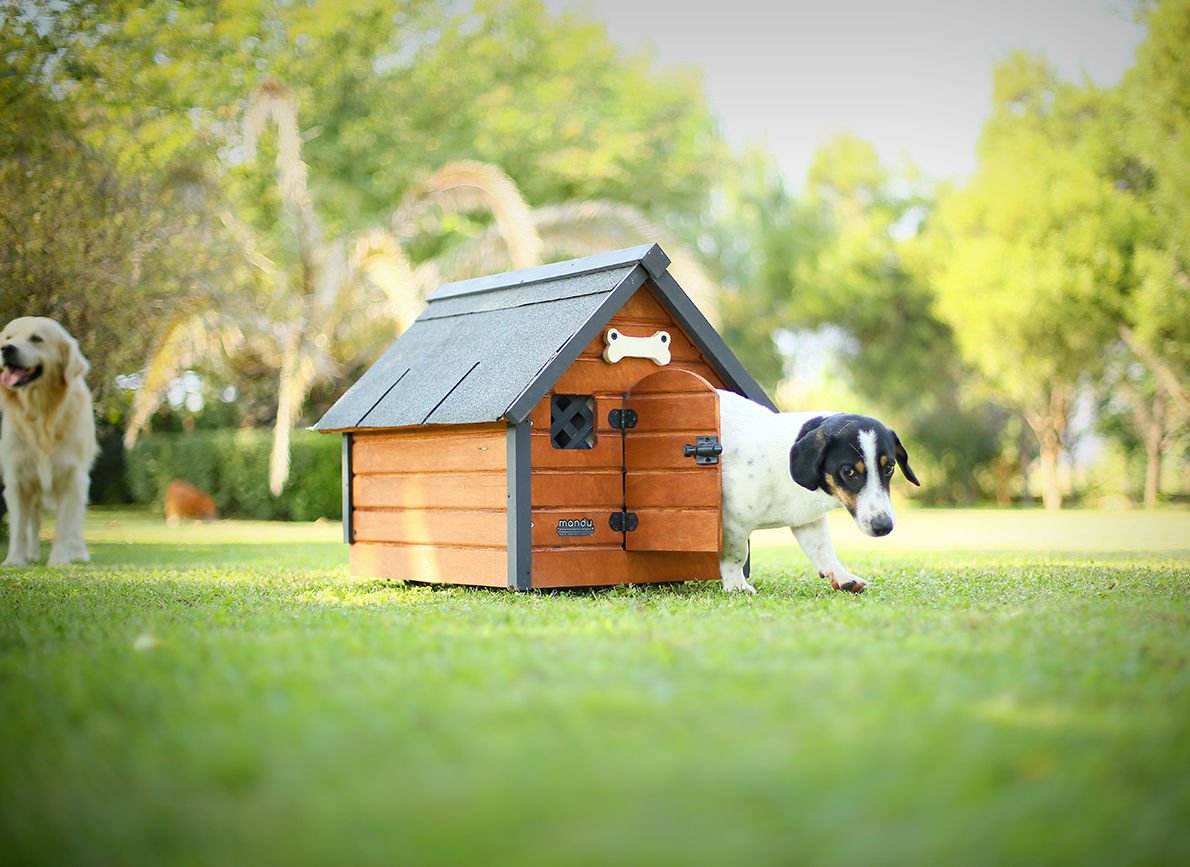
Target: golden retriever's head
[(35, 350)]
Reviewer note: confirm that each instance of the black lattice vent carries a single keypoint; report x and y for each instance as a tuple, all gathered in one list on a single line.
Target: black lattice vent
[(572, 421)]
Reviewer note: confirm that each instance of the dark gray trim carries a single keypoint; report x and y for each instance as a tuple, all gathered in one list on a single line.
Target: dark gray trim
[(522, 407), (650, 255), (520, 515), (707, 339), (347, 504)]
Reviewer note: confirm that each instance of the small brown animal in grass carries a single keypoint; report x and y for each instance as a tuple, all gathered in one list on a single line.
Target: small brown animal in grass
[(185, 502)]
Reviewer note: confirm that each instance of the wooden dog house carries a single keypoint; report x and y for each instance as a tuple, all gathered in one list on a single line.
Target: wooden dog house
[(552, 427)]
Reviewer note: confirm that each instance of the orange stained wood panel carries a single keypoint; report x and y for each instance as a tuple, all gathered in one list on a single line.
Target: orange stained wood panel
[(680, 346), (431, 527), (590, 375), (548, 531), (597, 567), (676, 412), (666, 451), (607, 452), (644, 305), (430, 449), (675, 529), (598, 487), (676, 499), (671, 380), (645, 489), (469, 566), (425, 490), (642, 316)]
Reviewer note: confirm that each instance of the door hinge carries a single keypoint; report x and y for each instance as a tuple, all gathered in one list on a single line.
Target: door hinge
[(706, 450), (623, 522), (622, 419)]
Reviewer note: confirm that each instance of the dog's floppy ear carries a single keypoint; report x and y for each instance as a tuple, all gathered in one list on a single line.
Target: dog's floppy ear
[(805, 458), (74, 365), (902, 457)]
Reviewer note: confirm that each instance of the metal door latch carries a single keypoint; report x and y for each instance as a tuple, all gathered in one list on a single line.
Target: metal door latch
[(706, 450)]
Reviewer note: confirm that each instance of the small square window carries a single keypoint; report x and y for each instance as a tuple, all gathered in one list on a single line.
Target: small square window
[(572, 421)]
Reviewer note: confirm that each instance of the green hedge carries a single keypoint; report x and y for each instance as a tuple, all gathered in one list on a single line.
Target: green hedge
[(233, 467)]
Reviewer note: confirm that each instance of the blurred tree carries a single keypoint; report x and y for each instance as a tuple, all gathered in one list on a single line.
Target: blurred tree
[(1031, 259), (309, 314), (1153, 140), (396, 91), (855, 274), (103, 251), (759, 232)]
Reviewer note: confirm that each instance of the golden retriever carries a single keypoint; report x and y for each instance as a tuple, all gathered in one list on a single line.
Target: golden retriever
[(47, 438)]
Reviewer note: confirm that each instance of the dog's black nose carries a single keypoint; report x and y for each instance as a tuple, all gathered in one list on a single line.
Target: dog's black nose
[(882, 525), (7, 351)]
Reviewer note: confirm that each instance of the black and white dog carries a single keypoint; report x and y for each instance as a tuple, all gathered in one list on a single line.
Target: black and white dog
[(789, 469)]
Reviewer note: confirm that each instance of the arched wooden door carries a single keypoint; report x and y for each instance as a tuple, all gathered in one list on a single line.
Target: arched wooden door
[(672, 487)]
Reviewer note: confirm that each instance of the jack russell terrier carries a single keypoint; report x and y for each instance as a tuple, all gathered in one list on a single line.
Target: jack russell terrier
[(790, 469)]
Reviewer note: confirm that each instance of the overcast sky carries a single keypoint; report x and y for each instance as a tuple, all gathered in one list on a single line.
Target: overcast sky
[(913, 77)]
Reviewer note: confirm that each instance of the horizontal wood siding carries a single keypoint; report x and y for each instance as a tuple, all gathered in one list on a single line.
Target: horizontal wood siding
[(430, 504), (598, 567), (430, 563), (560, 489), (451, 448), (423, 490), (487, 529)]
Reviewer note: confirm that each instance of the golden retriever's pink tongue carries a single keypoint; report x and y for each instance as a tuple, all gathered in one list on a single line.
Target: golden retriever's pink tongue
[(10, 376)]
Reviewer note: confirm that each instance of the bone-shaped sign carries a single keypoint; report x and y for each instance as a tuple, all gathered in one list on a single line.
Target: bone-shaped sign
[(655, 347)]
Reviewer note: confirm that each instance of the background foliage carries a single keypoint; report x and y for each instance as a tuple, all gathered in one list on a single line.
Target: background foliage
[(981, 319), (226, 464)]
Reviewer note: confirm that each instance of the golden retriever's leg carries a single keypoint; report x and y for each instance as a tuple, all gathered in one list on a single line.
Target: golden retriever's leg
[(24, 525), (71, 492)]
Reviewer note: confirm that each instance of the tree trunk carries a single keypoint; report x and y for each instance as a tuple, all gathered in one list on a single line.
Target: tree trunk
[(1049, 424), (1051, 489), (1154, 435)]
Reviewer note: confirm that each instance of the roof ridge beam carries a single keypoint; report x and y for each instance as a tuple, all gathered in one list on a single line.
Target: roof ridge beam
[(651, 256)]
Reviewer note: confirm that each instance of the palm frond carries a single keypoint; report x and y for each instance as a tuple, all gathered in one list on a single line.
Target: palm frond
[(469, 185), (246, 238), (583, 229), (378, 258), (273, 101), (303, 365), (188, 339)]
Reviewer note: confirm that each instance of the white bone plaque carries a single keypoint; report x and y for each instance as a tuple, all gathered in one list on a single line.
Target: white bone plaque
[(654, 347)]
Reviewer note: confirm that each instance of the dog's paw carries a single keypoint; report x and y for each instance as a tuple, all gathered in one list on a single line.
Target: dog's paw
[(61, 558), (741, 587), (850, 583)]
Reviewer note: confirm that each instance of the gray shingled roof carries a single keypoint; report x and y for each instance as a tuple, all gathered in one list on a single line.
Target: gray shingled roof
[(490, 348)]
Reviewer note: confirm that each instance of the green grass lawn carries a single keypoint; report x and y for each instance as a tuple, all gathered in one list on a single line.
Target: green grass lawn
[(1012, 689)]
